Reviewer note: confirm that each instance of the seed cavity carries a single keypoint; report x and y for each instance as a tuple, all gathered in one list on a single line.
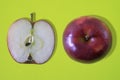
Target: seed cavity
[(29, 40)]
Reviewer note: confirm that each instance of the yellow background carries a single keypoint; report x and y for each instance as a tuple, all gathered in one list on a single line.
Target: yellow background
[(60, 66)]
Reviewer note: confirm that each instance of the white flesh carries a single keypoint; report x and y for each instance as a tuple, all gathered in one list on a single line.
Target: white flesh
[(42, 46)]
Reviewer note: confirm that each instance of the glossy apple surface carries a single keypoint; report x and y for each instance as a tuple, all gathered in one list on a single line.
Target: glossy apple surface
[(87, 39)]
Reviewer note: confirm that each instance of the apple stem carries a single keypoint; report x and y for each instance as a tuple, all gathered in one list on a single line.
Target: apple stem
[(86, 37), (33, 17)]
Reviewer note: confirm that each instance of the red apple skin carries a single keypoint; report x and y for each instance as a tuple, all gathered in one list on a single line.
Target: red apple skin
[(87, 39)]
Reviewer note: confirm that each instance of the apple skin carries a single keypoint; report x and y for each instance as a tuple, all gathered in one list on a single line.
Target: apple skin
[(87, 39)]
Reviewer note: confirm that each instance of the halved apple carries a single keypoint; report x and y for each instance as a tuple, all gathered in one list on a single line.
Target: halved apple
[(31, 42)]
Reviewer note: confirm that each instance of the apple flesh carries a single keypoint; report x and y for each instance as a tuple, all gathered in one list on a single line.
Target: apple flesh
[(87, 39), (31, 42)]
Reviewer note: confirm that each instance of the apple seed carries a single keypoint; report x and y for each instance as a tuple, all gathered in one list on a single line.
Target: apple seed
[(29, 41)]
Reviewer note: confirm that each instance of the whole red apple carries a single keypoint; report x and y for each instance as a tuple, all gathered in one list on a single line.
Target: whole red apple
[(87, 39)]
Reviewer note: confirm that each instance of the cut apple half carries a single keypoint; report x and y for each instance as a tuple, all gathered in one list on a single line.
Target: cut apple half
[(31, 42)]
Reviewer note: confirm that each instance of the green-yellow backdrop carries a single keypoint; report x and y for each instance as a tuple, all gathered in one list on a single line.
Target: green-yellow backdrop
[(60, 66)]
